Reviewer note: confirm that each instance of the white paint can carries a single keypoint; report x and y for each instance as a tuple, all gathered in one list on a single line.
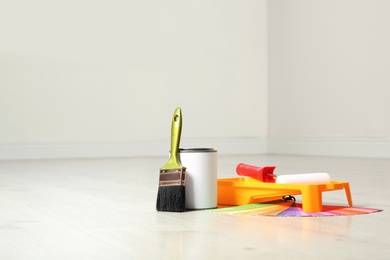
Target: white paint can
[(201, 177)]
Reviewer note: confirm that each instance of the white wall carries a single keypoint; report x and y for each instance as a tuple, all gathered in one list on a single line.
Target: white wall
[(102, 78), (329, 77)]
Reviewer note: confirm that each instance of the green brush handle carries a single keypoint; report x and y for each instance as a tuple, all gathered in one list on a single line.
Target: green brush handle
[(177, 122)]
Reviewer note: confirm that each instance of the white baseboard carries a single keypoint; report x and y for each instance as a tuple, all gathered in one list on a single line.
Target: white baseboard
[(347, 147), (27, 151)]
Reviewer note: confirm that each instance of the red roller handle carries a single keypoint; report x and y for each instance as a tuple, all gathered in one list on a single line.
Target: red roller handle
[(264, 174)]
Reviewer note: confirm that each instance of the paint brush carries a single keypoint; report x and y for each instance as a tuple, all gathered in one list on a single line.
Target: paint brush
[(171, 190)]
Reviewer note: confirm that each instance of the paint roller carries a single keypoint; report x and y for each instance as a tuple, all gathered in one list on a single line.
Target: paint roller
[(266, 174)]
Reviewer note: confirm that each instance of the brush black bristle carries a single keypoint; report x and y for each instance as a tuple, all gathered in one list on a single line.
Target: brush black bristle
[(171, 198)]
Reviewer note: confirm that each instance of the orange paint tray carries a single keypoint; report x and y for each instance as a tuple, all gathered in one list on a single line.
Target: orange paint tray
[(245, 190)]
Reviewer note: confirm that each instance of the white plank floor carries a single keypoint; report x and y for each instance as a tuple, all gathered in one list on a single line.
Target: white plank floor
[(105, 209)]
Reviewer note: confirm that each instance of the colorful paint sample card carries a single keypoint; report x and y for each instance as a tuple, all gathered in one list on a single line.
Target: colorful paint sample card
[(291, 209)]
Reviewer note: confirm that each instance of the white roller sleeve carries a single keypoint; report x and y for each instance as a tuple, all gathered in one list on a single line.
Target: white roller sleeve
[(304, 178)]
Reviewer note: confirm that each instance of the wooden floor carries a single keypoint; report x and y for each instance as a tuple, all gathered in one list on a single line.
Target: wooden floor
[(105, 209)]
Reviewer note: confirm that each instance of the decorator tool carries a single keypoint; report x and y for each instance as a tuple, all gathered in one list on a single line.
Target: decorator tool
[(171, 190), (245, 190), (262, 185), (266, 174), (201, 177)]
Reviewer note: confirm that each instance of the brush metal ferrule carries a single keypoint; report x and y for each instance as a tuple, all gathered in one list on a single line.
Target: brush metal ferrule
[(174, 177)]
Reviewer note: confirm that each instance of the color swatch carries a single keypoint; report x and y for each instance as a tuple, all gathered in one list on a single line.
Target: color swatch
[(291, 209)]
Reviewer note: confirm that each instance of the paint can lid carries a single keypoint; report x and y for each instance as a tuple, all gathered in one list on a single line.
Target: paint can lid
[(197, 150)]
